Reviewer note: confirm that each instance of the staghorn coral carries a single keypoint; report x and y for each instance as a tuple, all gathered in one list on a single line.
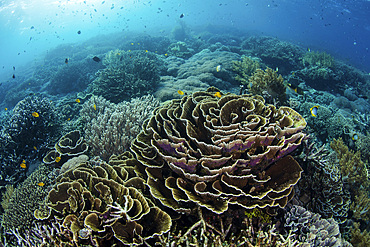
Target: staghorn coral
[(127, 75), (215, 152), (68, 146), (268, 81), (111, 127), (245, 68), (102, 205), (310, 229)]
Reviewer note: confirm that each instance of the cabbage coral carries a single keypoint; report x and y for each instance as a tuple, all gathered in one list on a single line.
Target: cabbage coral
[(212, 152)]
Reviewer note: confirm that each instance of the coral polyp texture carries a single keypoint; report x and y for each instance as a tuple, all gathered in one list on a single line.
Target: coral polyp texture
[(102, 205), (212, 152)]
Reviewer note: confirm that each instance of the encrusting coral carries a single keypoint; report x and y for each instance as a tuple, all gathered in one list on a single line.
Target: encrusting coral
[(101, 204), (268, 81), (110, 128), (215, 152)]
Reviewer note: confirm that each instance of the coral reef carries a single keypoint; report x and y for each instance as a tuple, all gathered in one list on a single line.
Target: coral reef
[(213, 68), (356, 175), (245, 68), (25, 135), (312, 230), (274, 53), (268, 81), (128, 74), (359, 238), (180, 49), (214, 152), (321, 188), (25, 199), (320, 59), (70, 145), (102, 205), (110, 128)]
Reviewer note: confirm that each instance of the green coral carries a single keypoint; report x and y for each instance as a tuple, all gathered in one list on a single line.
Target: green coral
[(262, 216), (320, 59), (245, 68), (268, 81), (355, 173), (26, 198)]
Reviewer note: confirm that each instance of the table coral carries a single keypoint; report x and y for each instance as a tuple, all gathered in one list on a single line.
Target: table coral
[(212, 152)]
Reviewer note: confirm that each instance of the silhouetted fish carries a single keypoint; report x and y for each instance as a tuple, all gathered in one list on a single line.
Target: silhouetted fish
[(79, 32), (182, 16), (96, 59)]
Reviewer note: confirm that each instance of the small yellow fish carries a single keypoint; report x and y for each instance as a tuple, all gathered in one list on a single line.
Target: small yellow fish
[(118, 53), (167, 55), (68, 119), (129, 50), (132, 43), (180, 92), (138, 43), (293, 73), (6, 109), (41, 184), (78, 100), (23, 164), (218, 68), (217, 94), (146, 50), (94, 107), (35, 114), (57, 159), (313, 110), (354, 137), (34, 147)]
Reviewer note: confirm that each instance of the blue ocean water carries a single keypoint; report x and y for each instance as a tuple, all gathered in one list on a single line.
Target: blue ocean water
[(57, 54), (31, 28)]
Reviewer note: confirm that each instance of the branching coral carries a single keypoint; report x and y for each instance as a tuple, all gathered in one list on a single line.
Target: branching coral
[(320, 59), (321, 187), (245, 68), (127, 75), (25, 199), (110, 128), (215, 152), (268, 81), (312, 230)]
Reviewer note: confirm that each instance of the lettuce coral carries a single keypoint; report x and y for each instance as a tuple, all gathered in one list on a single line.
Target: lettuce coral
[(215, 152), (102, 204)]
